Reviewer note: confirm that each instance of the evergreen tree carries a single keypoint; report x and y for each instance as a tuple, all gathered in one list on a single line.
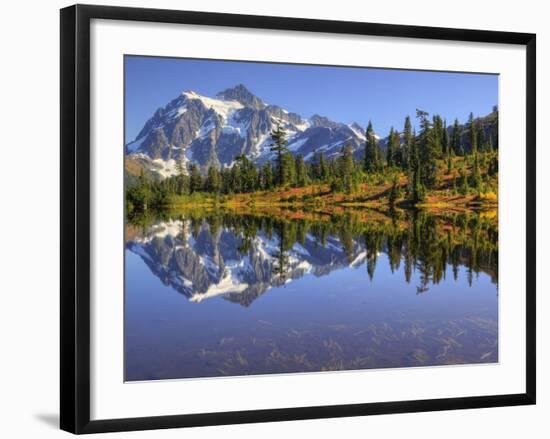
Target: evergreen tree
[(347, 169), (427, 151), (437, 133), (464, 187), (473, 133), (474, 136), (490, 147), (313, 167), (213, 180), (476, 174), (480, 135), (493, 165), (324, 170), (456, 138), (379, 156), (195, 179), (225, 180), (416, 190), (288, 169), (140, 196), (397, 150), (390, 151), (372, 160), (407, 141), (279, 146), (266, 176), (445, 143), (235, 180), (180, 166), (247, 174), (181, 177), (302, 177), (333, 171)]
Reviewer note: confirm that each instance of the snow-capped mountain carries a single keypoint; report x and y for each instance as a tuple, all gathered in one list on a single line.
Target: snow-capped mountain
[(213, 263), (213, 131), (215, 258)]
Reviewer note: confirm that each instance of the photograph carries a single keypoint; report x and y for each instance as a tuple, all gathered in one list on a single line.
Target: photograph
[(290, 218), (269, 220)]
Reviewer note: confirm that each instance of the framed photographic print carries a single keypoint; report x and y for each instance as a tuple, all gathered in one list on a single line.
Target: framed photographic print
[(268, 218)]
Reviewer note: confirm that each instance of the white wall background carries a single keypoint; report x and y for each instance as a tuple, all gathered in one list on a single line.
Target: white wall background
[(29, 249)]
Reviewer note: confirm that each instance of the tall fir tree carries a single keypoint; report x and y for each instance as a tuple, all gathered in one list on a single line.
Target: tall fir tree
[(445, 139), (473, 126), (397, 149), (213, 180), (371, 150), (182, 185), (480, 135), (476, 173), (464, 186), (407, 142), (379, 156), (473, 133), (347, 169), (279, 146), (428, 150), (266, 176), (235, 180), (247, 175), (195, 178), (390, 151), (456, 141), (416, 189), (302, 177), (313, 167), (289, 169), (490, 147), (437, 133)]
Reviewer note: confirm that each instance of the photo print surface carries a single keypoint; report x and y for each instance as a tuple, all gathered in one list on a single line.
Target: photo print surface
[(288, 218)]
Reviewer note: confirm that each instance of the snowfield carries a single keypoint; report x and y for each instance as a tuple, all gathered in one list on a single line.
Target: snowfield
[(227, 128)]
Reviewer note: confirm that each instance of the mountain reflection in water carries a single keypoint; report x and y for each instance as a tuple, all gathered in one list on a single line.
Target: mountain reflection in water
[(297, 292)]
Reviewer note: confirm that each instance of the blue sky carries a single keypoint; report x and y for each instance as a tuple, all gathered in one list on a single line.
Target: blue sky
[(344, 94)]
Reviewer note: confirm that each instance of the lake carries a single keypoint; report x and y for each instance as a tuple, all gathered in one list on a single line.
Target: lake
[(230, 293)]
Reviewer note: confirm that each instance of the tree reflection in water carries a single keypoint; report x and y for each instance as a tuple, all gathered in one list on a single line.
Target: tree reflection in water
[(424, 242), (327, 317)]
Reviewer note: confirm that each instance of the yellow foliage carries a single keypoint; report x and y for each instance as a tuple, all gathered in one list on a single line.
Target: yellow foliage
[(488, 196)]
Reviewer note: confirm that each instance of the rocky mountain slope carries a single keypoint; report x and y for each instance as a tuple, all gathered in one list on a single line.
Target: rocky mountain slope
[(214, 263), (203, 260), (213, 131)]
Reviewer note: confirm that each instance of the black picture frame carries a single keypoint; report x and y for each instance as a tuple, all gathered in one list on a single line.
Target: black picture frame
[(75, 217)]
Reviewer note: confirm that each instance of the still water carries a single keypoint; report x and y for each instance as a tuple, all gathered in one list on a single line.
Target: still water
[(229, 294)]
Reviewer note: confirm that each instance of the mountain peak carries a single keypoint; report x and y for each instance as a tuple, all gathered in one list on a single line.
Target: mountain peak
[(191, 94), (239, 88), (322, 121), (241, 94), (318, 118)]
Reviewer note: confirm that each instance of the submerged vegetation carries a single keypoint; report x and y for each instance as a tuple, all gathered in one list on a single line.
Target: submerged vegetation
[(432, 167)]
